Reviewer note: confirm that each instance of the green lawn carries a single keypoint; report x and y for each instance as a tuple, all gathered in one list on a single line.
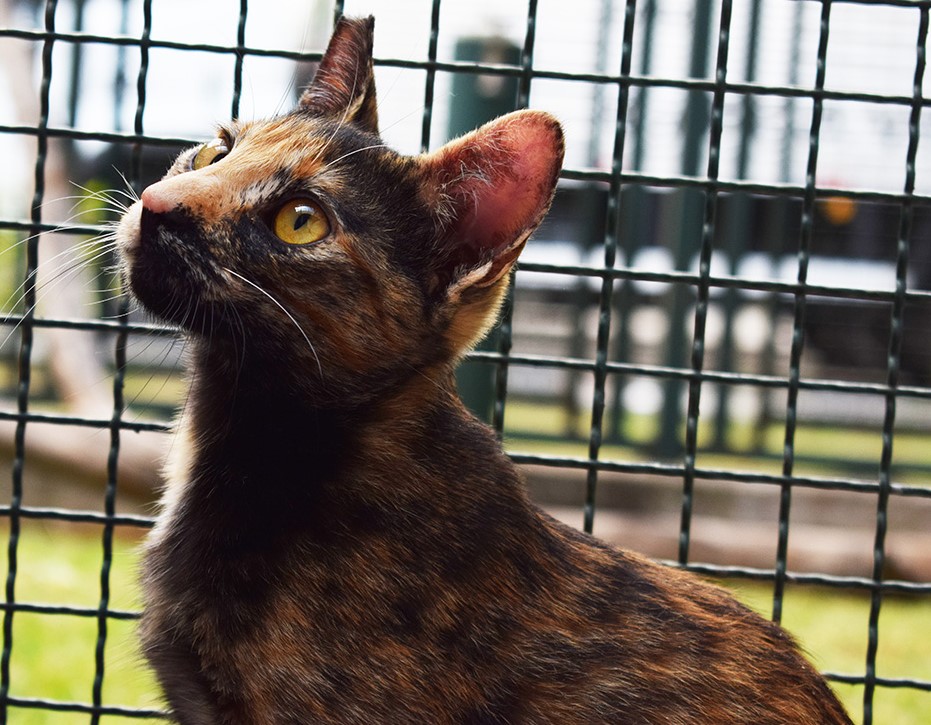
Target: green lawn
[(53, 655), (832, 628)]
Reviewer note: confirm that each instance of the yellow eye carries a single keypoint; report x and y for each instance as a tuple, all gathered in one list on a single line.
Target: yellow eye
[(300, 221), (210, 153)]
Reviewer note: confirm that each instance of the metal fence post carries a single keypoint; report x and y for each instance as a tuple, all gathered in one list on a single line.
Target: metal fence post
[(737, 228)]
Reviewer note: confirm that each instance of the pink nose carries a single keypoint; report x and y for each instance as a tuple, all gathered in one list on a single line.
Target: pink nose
[(155, 199)]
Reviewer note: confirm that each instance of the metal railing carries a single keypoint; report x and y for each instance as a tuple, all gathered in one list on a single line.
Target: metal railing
[(602, 282)]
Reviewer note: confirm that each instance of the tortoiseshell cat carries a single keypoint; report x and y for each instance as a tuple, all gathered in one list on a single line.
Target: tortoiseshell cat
[(341, 542)]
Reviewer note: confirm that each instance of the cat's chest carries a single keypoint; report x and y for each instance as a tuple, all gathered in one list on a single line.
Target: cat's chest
[(227, 571), (314, 615)]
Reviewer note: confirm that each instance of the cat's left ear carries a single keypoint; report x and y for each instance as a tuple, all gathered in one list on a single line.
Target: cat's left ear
[(344, 85), (491, 190)]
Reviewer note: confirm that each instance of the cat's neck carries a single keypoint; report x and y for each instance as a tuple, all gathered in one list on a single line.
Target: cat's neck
[(263, 480), (236, 394), (283, 454)]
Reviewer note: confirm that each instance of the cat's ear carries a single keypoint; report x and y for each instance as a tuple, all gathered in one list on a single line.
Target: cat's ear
[(492, 188), (344, 85)]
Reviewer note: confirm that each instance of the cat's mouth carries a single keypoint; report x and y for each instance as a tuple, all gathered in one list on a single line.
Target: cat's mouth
[(168, 267)]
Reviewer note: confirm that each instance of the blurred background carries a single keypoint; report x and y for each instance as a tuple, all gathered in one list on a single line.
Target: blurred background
[(717, 349)]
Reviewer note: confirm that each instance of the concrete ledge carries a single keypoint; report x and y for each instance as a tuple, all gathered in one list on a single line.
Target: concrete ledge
[(830, 532)]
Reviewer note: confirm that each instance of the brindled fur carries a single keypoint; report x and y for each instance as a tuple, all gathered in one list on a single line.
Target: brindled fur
[(340, 541)]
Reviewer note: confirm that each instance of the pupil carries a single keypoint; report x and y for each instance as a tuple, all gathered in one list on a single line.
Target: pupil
[(303, 216)]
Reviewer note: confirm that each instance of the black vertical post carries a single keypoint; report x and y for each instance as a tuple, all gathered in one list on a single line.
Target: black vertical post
[(777, 224), (687, 209), (737, 228), (633, 218), (25, 356), (240, 58), (894, 359), (430, 86), (610, 252), (119, 353), (505, 324), (798, 325), (709, 213)]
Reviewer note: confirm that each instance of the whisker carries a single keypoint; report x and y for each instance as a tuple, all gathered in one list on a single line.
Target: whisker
[(65, 227), (355, 151), (130, 192), (68, 271), (339, 124), (118, 295), (106, 196), (19, 293), (45, 287), (242, 354), (282, 308), (155, 367)]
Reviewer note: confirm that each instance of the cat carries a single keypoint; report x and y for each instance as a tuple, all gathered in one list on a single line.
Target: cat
[(340, 541)]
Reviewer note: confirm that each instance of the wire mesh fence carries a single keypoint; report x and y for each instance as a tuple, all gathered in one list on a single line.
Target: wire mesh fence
[(716, 350)]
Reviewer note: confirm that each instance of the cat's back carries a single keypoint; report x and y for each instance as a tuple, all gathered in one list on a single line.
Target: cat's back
[(634, 641), (554, 627)]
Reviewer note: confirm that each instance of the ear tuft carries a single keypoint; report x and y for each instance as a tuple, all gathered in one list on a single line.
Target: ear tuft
[(495, 186), (344, 85)]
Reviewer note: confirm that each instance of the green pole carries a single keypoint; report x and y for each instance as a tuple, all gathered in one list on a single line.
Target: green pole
[(477, 99)]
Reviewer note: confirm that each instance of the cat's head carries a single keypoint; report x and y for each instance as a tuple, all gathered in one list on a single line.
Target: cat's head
[(304, 244)]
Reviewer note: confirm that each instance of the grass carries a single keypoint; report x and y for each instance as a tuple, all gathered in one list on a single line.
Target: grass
[(832, 625), (53, 655)]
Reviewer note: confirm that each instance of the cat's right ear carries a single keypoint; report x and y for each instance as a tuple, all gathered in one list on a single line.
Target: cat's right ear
[(488, 190), (344, 86)]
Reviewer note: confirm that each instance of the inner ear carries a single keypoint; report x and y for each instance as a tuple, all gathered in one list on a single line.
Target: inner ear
[(492, 189), (344, 85)]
